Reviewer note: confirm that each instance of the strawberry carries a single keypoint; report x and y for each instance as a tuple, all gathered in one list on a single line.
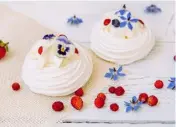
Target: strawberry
[(143, 97), (112, 89), (77, 102), (57, 106), (79, 92), (99, 102), (152, 100), (101, 95), (3, 49), (119, 91), (40, 50), (107, 21), (114, 107), (15, 86), (159, 84)]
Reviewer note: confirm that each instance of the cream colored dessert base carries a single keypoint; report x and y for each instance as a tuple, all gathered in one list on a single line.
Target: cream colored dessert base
[(121, 51), (54, 81)]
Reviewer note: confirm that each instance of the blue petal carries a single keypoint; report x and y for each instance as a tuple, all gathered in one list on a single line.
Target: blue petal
[(122, 12), (171, 85), (134, 20), (130, 26), (123, 18), (121, 74), (70, 20), (123, 24), (108, 75), (115, 77), (129, 108), (127, 103), (128, 15), (136, 107), (119, 69), (172, 78), (111, 70), (134, 99)]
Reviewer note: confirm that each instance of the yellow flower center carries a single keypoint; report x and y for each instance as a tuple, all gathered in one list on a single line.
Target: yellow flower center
[(62, 49), (126, 37)]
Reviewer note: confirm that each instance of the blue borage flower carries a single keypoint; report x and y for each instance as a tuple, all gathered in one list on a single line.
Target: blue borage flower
[(133, 105), (48, 36), (122, 11), (114, 73), (74, 20), (64, 39), (152, 9), (128, 21), (172, 83)]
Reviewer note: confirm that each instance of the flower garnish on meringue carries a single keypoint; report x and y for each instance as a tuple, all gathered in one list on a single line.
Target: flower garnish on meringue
[(63, 50), (49, 36)]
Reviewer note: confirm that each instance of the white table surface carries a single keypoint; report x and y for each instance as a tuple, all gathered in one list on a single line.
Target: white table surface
[(158, 65)]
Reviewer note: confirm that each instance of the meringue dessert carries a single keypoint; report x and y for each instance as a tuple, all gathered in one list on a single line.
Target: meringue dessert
[(56, 66), (121, 38)]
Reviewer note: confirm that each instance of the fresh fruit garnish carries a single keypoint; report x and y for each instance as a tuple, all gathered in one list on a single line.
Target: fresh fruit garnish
[(107, 21), (119, 91), (99, 102), (40, 50), (152, 100), (15, 86), (141, 22), (112, 89), (115, 23), (58, 106), (101, 95), (3, 49), (114, 107), (79, 92), (175, 58), (76, 51), (159, 84), (143, 97), (77, 102)]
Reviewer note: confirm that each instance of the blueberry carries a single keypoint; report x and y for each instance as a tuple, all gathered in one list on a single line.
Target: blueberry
[(115, 23)]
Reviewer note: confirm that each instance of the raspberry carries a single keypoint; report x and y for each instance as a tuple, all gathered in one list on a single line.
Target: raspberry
[(112, 89), (114, 107), (159, 84), (99, 102), (119, 91), (57, 106), (79, 92), (143, 97), (107, 21), (152, 100), (16, 86), (101, 95)]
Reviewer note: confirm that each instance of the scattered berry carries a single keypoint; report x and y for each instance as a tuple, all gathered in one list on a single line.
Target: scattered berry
[(141, 22), (112, 89), (119, 91), (76, 51), (40, 50), (114, 107), (16, 86), (57, 106), (101, 95), (159, 84), (3, 49), (99, 102), (175, 58), (115, 23), (79, 92), (77, 102), (107, 21), (143, 97), (152, 100)]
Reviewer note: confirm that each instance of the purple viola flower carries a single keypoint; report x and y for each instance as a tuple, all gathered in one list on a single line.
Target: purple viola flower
[(49, 36), (152, 9), (74, 20), (64, 39), (128, 20), (62, 51)]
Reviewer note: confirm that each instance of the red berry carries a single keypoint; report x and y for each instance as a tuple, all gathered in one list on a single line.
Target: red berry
[(107, 21), (77, 102), (99, 102), (143, 97), (40, 50), (112, 89), (57, 106), (16, 86), (141, 22), (175, 58), (79, 92), (119, 91), (159, 84), (101, 95), (114, 107), (2, 52), (76, 51), (152, 100)]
